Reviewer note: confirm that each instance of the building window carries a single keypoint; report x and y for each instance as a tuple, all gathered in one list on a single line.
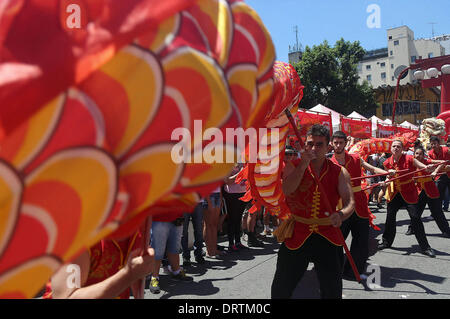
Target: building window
[(392, 66), (413, 59), (393, 78), (383, 76), (383, 64), (369, 78), (415, 106), (433, 109), (390, 37), (391, 52), (386, 109), (436, 109), (396, 42), (430, 55), (368, 67)]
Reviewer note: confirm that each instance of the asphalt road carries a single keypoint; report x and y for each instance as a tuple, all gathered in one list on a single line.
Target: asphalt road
[(400, 272)]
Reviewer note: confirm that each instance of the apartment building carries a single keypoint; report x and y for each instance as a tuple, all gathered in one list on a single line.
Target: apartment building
[(381, 67)]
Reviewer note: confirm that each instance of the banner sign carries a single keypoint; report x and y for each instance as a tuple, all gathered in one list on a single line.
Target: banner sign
[(385, 130), (356, 128), (306, 119)]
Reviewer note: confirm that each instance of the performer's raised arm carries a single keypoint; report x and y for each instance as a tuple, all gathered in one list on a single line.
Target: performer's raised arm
[(348, 201), (292, 181)]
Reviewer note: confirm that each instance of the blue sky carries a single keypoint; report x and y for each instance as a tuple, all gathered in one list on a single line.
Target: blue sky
[(320, 20)]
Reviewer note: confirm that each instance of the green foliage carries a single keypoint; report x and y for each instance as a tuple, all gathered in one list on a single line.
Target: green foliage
[(330, 77)]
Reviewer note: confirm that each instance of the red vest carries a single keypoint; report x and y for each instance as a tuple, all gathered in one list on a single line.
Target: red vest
[(444, 155), (426, 184), (404, 185), (307, 202), (106, 258), (353, 166)]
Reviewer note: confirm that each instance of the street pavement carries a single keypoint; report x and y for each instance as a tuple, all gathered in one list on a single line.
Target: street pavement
[(400, 272)]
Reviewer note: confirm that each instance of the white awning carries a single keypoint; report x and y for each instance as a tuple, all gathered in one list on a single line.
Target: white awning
[(356, 115), (335, 116), (409, 125)]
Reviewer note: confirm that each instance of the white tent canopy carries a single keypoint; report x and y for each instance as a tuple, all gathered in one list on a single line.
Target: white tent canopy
[(335, 116), (388, 121), (375, 120), (409, 125), (356, 115)]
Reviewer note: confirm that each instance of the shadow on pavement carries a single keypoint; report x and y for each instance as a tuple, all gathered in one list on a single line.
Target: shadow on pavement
[(391, 277), (172, 288), (308, 287)]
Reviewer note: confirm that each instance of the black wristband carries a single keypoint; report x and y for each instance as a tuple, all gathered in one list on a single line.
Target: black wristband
[(341, 214)]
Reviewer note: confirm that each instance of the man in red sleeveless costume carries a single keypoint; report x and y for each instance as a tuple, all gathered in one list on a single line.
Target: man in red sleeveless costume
[(359, 222), (402, 192), (107, 270), (439, 154), (429, 194), (310, 234)]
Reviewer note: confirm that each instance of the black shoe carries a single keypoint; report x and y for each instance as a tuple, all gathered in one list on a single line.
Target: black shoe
[(181, 276), (409, 232), (186, 262), (255, 243), (383, 245), (429, 252), (240, 246), (199, 259)]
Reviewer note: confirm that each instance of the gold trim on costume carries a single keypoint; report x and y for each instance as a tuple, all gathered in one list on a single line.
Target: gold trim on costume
[(286, 229)]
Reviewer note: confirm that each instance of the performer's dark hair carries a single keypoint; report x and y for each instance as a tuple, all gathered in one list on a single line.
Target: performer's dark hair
[(434, 138), (419, 147), (417, 143), (319, 130), (339, 134)]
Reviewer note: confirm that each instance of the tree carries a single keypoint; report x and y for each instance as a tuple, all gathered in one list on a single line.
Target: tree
[(330, 77)]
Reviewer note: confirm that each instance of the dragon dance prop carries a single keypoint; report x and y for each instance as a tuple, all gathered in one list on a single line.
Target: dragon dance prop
[(263, 174), (370, 146), (376, 175), (426, 176), (402, 176), (87, 115), (430, 127)]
